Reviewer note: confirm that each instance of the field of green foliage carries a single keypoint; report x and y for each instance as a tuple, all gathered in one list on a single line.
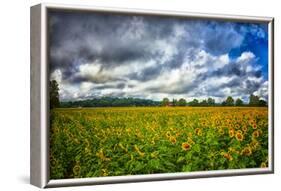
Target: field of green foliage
[(98, 142)]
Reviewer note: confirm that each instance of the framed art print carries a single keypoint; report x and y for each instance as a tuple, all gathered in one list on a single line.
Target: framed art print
[(123, 95)]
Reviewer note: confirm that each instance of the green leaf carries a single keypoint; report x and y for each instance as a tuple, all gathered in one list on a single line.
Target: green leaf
[(196, 148), (180, 159), (154, 164), (186, 168)]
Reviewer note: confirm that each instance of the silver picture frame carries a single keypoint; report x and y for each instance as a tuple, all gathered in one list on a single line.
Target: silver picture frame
[(39, 128)]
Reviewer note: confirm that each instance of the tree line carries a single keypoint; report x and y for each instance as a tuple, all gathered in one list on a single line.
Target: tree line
[(254, 101), (122, 102), (111, 102)]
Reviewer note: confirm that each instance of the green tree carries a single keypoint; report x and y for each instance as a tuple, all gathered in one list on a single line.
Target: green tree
[(262, 103), (238, 102), (204, 103), (254, 100), (182, 102), (229, 101), (194, 102), (54, 94), (165, 101), (175, 102), (211, 102)]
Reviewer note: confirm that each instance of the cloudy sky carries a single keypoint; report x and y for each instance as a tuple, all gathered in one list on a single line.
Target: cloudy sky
[(95, 54)]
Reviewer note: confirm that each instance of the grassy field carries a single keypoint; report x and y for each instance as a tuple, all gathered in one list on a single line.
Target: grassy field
[(144, 140)]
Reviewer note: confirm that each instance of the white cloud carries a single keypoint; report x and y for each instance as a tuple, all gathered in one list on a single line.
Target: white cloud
[(223, 60), (245, 56), (135, 29), (175, 83), (96, 73), (263, 91), (56, 75), (255, 79)]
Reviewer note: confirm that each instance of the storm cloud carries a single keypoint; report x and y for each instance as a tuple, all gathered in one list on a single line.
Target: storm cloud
[(152, 57)]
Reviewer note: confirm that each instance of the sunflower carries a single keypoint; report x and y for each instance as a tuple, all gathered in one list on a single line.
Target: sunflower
[(247, 151), (239, 136), (232, 150), (76, 169), (256, 134), (198, 131), (254, 126), (231, 133), (227, 156), (221, 131), (263, 165), (53, 161), (185, 146), (189, 140), (254, 144), (252, 122), (168, 134), (239, 131), (245, 128), (173, 139), (104, 172)]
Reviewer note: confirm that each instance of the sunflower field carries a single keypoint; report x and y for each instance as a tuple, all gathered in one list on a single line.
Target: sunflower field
[(98, 142)]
